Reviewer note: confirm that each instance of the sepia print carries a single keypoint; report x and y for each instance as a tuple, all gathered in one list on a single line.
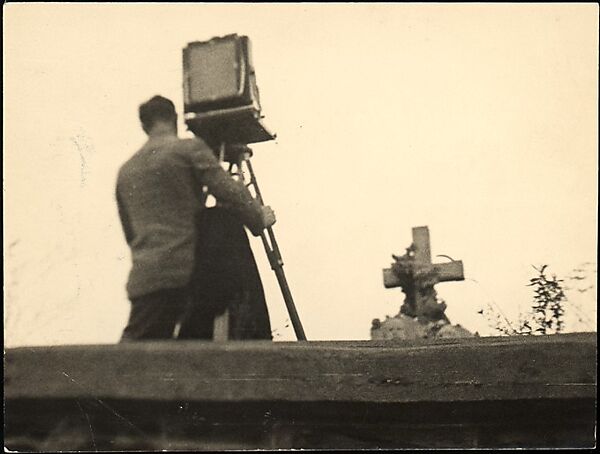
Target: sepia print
[(299, 226)]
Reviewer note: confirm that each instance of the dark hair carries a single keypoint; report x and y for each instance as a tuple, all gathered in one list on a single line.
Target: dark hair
[(157, 108)]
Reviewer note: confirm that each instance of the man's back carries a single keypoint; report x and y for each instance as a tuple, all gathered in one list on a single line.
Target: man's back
[(159, 194)]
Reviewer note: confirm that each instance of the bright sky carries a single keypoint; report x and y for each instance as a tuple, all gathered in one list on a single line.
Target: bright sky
[(479, 121)]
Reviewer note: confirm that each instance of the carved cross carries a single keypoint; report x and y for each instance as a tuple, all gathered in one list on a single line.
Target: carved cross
[(416, 275)]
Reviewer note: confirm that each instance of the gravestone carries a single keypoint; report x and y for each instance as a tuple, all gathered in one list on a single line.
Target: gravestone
[(422, 314)]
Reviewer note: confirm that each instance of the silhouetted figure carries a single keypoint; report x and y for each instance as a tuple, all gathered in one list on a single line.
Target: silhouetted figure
[(189, 262)]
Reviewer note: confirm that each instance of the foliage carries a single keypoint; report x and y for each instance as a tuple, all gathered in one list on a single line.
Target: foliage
[(546, 315), (547, 311)]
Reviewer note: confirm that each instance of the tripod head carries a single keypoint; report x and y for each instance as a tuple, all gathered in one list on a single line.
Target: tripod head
[(234, 153)]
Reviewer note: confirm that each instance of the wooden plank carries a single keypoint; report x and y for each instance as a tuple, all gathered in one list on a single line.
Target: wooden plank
[(153, 426), (452, 370)]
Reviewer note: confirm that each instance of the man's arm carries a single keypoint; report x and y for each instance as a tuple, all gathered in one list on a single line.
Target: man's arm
[(124, 218), (230, 192), (236, 196)]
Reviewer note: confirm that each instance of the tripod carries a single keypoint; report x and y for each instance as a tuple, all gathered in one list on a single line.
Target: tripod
[(239, 158)]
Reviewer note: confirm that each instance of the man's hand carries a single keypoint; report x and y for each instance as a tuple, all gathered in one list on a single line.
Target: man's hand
[(268, 216)]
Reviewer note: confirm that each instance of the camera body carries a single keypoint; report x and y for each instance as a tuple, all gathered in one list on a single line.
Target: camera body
[(221, 99)]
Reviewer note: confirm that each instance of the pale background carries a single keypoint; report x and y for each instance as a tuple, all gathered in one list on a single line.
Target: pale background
[(479, 121)]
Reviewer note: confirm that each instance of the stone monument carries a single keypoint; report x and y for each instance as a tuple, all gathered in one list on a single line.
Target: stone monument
[(422, 315)]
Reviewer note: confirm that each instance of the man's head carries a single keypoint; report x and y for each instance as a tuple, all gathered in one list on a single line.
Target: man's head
[(158, 115)]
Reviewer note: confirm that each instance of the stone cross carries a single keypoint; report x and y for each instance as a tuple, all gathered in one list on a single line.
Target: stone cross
[(416, 275)]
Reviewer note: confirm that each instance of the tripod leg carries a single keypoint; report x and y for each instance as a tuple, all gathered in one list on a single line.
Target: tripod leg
[(221, 327), (289, 302), (276, 263)]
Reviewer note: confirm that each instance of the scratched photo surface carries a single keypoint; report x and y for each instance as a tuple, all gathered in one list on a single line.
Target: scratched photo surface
[(478, 121)]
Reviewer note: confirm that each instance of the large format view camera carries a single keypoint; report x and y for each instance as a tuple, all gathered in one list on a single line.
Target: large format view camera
[(221, 101), (221, 106)]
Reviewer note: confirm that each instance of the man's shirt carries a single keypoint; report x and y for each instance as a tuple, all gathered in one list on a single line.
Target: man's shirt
[(159, 196)]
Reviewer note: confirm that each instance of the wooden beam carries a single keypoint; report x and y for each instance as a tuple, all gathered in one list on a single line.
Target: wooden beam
[(444, 370)]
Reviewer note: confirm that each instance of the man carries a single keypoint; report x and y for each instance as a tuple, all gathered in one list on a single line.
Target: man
[(184, 260)]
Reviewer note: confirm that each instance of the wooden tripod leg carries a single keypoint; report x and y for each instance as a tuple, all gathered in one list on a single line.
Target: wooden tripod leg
[(221, 327), (276, 262)]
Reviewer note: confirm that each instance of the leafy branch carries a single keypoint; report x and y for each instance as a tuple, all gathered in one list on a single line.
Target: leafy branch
[(546, 315)]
